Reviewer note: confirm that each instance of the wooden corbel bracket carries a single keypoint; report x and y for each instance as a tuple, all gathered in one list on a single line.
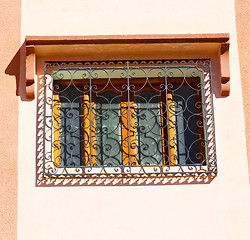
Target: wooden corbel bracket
[(225, 70), (30, 71)]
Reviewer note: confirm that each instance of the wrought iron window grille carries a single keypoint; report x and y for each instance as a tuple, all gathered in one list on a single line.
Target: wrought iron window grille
[(128, 118)]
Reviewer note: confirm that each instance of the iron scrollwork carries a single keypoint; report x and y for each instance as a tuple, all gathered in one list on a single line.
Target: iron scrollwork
[(128, 118)]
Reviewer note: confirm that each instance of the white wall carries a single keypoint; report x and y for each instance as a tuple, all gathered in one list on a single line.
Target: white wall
[(219, 210)]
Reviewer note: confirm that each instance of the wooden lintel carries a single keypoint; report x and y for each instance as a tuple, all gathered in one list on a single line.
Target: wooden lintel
[(129, 39)]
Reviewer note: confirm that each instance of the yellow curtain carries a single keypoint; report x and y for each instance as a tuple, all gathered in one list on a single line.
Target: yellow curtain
[(171, 129), (56, 130), (89, 132)]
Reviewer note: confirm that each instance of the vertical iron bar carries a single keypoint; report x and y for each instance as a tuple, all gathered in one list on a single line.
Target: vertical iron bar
[(44, 116), (211, 93), (166, 89), (52, 118), (90, 120), (129, 143), (205, 113)]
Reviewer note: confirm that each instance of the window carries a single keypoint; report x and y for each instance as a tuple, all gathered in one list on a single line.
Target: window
[(128, 118)]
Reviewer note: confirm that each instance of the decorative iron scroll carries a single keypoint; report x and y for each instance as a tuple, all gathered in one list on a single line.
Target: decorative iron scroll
[(128, 119)]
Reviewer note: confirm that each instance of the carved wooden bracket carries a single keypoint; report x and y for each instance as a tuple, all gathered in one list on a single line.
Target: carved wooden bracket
[(185, 46), (30, 71), (225, 71)]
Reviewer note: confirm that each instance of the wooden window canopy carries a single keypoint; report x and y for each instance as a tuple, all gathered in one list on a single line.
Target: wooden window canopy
[(130, 47)]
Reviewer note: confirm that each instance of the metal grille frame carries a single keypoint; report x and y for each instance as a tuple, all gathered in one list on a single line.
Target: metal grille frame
[(199, 67)]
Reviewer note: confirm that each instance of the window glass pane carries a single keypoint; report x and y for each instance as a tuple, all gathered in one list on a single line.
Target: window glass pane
[(149, 128), (70, 122), (108, 129), (189, 125)]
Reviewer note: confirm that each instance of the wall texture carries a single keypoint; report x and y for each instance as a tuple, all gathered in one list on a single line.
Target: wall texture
[(219, 210), (10, 37), (242, 10)]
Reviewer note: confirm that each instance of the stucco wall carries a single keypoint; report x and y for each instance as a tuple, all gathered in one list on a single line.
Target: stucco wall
[(10, 37), (219, 210), (242, 10)]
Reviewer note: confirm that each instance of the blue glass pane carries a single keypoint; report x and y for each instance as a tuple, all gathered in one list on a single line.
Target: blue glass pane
[(70, 134), (108, 129), (148, 128)]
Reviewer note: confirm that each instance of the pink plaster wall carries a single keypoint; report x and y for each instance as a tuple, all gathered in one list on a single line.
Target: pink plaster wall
[(10, 36), (218, 210)]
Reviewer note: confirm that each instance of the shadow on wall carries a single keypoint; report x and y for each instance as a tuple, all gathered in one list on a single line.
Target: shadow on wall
[(17, 68)]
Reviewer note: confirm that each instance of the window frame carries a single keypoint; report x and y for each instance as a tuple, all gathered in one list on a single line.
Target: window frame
[(50, 170)]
